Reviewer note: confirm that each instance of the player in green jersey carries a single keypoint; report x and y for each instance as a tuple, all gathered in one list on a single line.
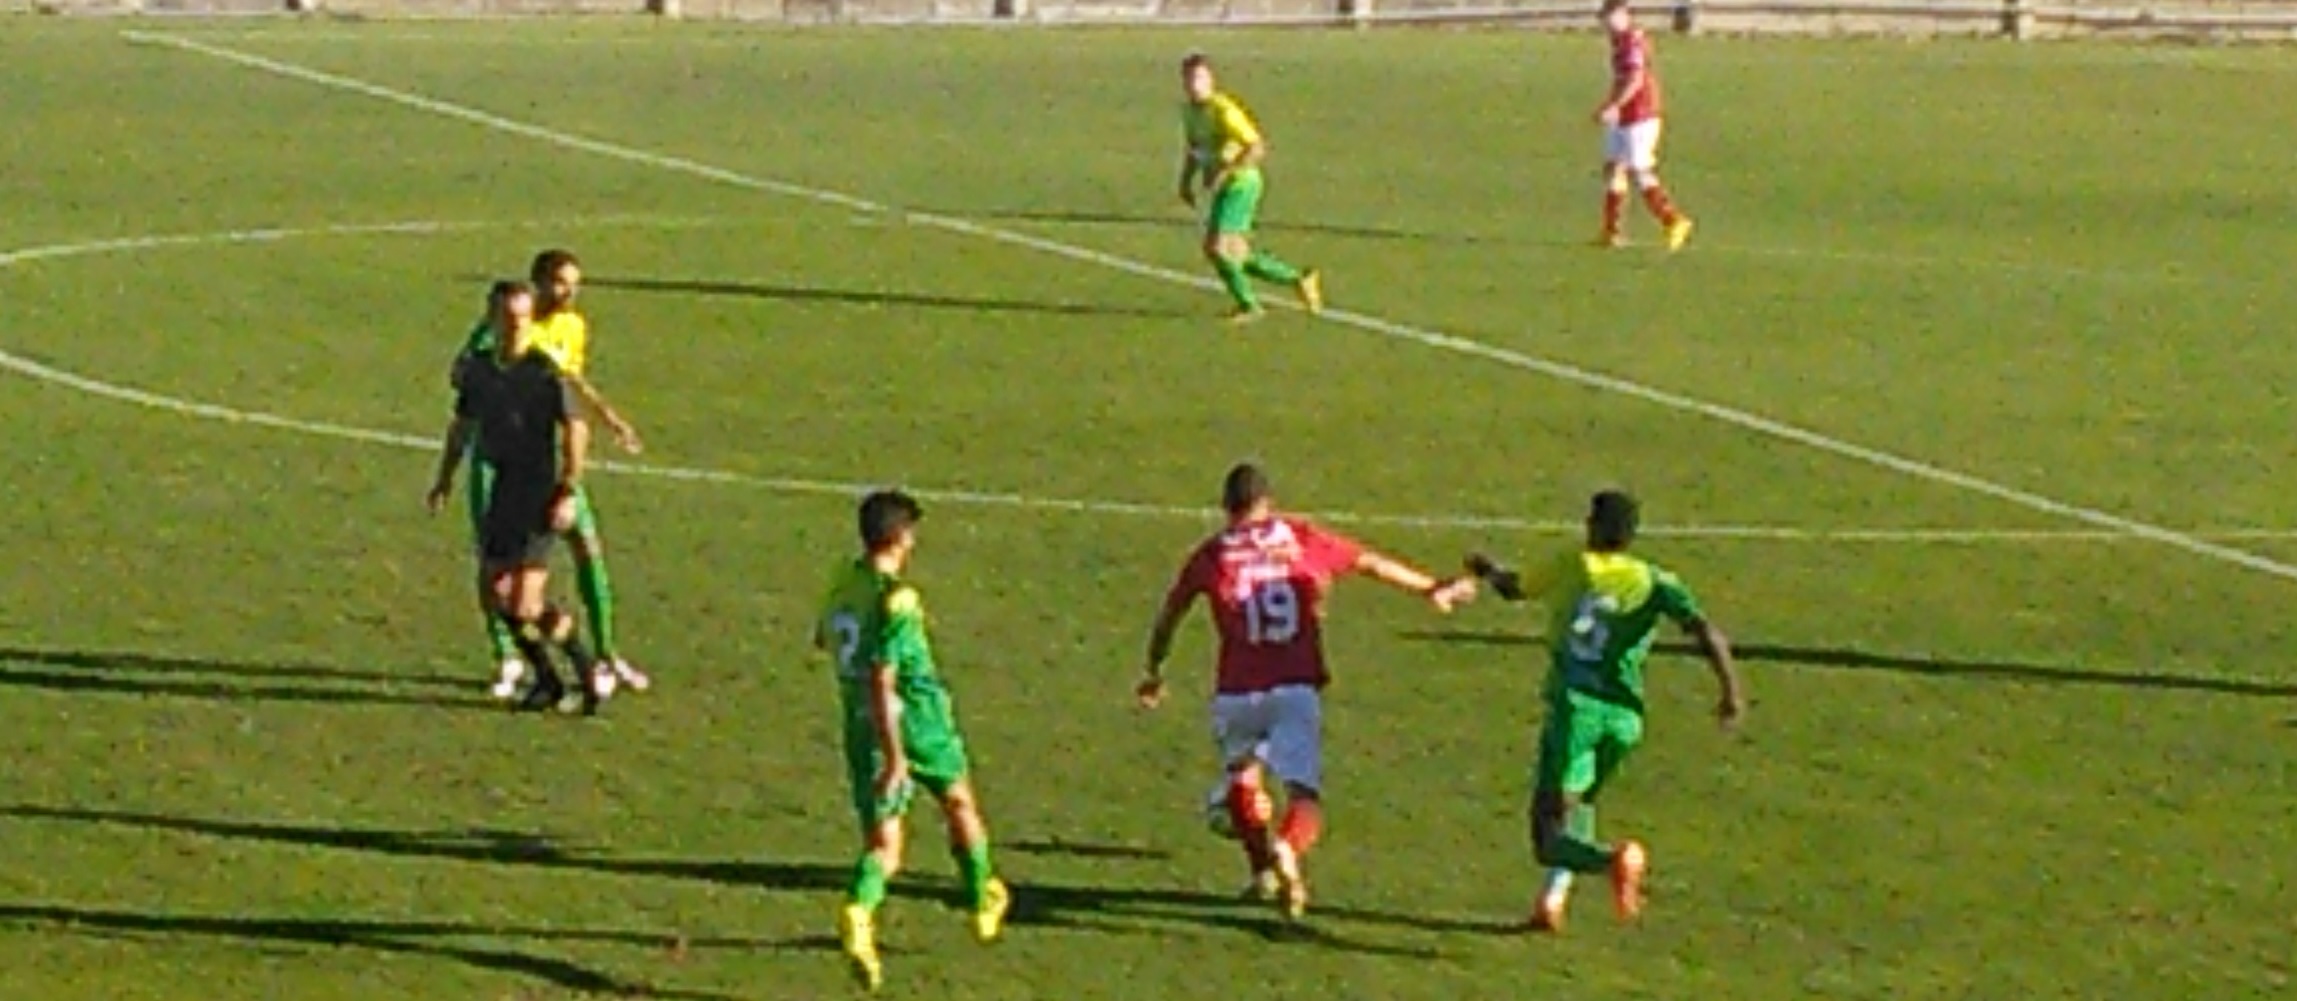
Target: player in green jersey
[(1604, 608), (900, 729), (1224, 151)]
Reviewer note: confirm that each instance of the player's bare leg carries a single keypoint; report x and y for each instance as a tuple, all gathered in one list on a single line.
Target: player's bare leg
[(857, 922), (969, 843), (1614, 205)]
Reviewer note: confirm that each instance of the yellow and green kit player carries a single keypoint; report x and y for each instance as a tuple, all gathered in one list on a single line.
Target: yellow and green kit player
[(561, 332), (900, 729), (1225, 149), (1604, 607)]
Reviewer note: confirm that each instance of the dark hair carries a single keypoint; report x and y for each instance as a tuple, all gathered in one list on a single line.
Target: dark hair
[(885, 514), (505, 288), (1611, 520), (1246, 485), (548, 263), (1611, 6), (1194, 61)]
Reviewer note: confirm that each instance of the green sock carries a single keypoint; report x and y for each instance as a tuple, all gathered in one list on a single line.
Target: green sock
[(973, 867), (1239, 287), (1575, 847), (1266, 267), (868, 882), (498, 635), (597, 603)]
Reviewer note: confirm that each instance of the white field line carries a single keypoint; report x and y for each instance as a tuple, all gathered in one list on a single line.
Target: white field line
[(208, 411), (1746, 420)]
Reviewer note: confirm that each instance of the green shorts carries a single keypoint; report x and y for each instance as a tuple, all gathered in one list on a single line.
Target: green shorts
[(481, 484), (1583, 743), (936, 753), (1236, 206)]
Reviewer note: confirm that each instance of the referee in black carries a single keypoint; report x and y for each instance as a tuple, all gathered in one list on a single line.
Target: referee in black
[(529, 426)]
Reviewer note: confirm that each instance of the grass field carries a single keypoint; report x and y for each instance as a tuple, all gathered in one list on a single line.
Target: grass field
[(2036, 756)]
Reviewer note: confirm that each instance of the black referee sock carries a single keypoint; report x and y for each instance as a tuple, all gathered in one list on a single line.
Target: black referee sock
[(559, 627), (527, 636)]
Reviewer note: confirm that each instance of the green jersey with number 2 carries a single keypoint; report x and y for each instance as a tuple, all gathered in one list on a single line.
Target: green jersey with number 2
[(1605, 610)]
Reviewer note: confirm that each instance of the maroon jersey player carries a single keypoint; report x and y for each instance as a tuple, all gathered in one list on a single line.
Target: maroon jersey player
[(1630, 117), (1266, 576)]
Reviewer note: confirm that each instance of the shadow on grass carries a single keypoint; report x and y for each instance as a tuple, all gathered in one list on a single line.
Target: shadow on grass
[(1180, 221), (860, 297), (174, 676), (1059, 848), (1103, 909), (416, 938), (1859, 660)]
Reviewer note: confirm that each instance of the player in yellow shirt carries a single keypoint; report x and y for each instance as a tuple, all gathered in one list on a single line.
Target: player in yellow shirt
[(1222, 160), (562, 332)]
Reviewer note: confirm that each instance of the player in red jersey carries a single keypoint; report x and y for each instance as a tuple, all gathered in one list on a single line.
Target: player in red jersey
[(1266, 575), (1630, 120)]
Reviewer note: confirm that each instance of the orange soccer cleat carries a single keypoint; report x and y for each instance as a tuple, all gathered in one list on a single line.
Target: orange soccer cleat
[(1627, 870)]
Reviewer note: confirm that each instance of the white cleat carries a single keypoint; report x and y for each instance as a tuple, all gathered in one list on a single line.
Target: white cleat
[(507, 676), (603, 681), (631, 675)]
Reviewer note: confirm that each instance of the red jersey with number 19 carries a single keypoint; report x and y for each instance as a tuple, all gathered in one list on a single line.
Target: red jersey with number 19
[(1266, 581)]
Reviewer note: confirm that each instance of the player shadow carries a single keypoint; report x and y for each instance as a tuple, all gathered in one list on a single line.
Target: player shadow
[(172, 676), (1184, 223), (1113, 910), (1860, 660), (859, 297), (428, 939), (1060, 848)]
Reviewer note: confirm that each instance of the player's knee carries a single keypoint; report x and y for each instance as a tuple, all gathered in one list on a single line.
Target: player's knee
[(1646, 178)]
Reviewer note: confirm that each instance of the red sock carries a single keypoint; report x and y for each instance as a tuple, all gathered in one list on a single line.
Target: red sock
[(1303, 824), (1249, 810), (1662, 208), (1614, 203)]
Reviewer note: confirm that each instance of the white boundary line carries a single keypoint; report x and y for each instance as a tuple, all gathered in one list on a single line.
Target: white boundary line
[(36, 370), (1746, 420)]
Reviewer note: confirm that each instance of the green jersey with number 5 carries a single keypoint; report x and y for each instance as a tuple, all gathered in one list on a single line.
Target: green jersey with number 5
[(870, 619), (1604, 612)]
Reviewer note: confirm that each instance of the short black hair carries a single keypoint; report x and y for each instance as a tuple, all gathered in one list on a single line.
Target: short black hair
[(884, 515), (505, 288), (1612, 518), (1615, 5), (1195, 61), (1246, 485), (548, 263)]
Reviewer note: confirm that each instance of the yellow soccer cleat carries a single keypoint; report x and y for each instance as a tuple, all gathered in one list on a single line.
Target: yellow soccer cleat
[(989, 918), (1679, 233), (857, 933), (1312, 290), (1291, 883), (1608, 241), (1245, 316)]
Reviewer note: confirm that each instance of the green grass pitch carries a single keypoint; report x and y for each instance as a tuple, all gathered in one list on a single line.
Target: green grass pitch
[(242, 693)]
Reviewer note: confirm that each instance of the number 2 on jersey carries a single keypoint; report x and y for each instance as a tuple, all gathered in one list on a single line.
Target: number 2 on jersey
[(848, 631), (1272, 613), (1591, 628)]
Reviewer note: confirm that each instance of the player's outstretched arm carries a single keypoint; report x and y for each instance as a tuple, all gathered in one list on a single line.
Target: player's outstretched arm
[(625, 434), (1716, 648), (1504, 582), (450, 458), (1405, 577)]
